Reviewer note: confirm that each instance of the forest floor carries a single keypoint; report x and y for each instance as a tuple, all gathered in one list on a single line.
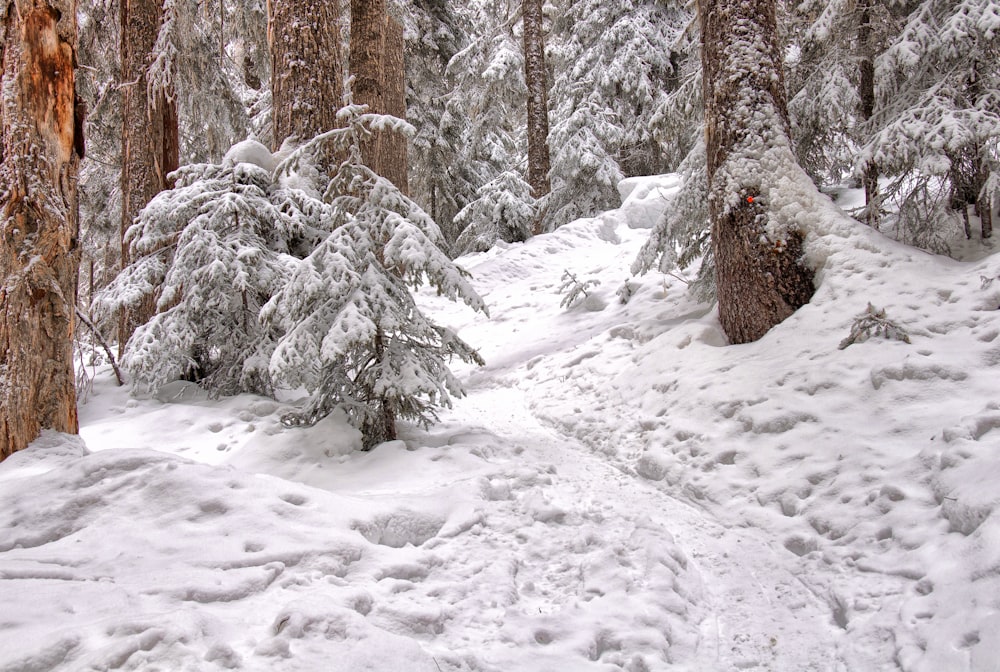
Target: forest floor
[(620, 490)]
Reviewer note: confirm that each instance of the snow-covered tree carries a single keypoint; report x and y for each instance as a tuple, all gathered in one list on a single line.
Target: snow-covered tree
[(490, 92), (150, 143), (937, 122), (504, 209), (352, 334), (760, 279), (536, 79), (441, 180), (615, 64), (307, 73), (217, 245)]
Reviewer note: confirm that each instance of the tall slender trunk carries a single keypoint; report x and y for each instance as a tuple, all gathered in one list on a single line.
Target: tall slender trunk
[(759, 278), (307, 74), (536, 79), (150, 144), (866, 93), (41, 142)]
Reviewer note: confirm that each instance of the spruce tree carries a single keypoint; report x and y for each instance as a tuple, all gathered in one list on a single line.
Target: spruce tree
[(351, 333)]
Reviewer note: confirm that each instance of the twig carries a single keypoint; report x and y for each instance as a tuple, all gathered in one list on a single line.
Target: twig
[(104, 344)]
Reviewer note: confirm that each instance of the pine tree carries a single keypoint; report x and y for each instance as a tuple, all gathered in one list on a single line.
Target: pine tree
[(760, 278), (616, 65), (42, 141), (219, 244), (441, 180), (377, 68), (503, 210), (490, 92), (352, 334), (937, 121)]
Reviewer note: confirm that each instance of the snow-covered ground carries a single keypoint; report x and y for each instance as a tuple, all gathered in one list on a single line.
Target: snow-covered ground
[(619, 491)]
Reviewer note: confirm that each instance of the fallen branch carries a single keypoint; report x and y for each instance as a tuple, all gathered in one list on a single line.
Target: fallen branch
[(104, 344)]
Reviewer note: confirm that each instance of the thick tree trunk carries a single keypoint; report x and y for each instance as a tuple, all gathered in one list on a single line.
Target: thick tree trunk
[(368, 23), (38, 247), (379, 83), (150, 144), (759, 277), (307, 75), (536, 79), (394, 159)]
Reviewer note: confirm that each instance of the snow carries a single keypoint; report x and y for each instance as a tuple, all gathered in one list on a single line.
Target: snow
[(620, 490)]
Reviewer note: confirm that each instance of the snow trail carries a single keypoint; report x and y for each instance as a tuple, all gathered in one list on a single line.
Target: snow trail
[(746, 607)]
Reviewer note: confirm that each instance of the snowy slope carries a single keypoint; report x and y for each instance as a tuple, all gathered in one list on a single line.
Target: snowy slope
[(620, 490)]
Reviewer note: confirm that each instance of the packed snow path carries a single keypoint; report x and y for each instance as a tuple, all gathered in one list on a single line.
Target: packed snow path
[(734, 602)]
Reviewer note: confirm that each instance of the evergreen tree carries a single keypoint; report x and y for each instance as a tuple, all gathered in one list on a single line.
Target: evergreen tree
[(41, 137), (307, 74), (378, 82), (352, 334), (760, 279), (503, 210), (616, 66), (150, 149), (536, 79), (937, 123), (441, 180), (218, 246), (490, 78)]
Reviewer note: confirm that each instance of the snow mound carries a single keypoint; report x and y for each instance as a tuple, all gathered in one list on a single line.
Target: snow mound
[(250, 151)]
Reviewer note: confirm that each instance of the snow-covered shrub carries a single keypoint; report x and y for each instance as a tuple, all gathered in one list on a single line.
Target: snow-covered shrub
[(873, 322), (574, 289), (504, 209), (625, 292), (214, 250), (351, 333)]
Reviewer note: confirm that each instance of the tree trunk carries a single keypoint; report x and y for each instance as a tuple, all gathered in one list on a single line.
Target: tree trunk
[(150, 144), (866, 92), (535, 78), (395, 160), (379, 83), (307, 75), (38, 249), (759, 277), (368, 25)]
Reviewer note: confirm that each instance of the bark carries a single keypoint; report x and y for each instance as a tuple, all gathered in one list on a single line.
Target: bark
[(538, 110), (150, 144), (394, 158), (760, 281), (307, 75), (38, 235), (368, 19), (379, 83), (866, 93)]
